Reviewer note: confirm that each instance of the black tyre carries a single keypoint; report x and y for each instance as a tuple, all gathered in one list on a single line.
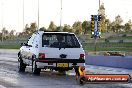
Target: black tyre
[(62, 72), (35, 70), (21, 65), (81, 80)]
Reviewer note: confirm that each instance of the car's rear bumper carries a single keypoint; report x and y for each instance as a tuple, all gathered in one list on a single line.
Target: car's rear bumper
[(54, 60), (52, 63)]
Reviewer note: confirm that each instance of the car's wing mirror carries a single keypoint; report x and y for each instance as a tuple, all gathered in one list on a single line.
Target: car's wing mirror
[(25, 44), (29, 45), (22, 44)]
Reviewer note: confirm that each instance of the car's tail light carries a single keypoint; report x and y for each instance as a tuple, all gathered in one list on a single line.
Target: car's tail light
[(41, 55), (82, 56)]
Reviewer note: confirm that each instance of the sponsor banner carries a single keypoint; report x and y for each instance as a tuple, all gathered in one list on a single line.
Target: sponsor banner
[(107, 78)]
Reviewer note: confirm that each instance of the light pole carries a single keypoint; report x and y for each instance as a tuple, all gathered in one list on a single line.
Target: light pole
[(99, 3), (2, 12), (61, 16), (95, 39), (38, 14), (99, 8), (23, 15)]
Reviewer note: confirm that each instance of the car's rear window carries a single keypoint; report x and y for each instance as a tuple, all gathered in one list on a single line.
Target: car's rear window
[(60, 40)]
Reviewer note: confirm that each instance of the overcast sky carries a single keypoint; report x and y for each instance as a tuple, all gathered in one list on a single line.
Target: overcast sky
[(11, 11)]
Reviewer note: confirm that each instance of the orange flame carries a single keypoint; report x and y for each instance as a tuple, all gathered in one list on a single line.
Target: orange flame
[(81, 71)]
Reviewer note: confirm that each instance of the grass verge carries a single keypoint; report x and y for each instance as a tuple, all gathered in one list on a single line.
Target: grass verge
[(90, 47), (10, 46)]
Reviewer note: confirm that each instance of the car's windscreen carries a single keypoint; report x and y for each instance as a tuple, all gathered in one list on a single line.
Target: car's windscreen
[(60, 40)]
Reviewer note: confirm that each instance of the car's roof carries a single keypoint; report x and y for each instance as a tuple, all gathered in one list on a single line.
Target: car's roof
[(59, 32), (41, 32)]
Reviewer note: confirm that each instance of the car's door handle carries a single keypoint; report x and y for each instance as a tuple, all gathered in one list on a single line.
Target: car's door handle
[(29, 49)]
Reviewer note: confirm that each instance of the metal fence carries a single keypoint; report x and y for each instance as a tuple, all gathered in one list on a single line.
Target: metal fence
[(113, 44)]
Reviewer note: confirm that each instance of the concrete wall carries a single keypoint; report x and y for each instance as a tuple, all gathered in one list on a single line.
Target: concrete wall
[(110, 61)]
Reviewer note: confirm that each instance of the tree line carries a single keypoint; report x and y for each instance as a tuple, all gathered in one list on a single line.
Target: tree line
[(84, 27), (5, 34), (78, 27)]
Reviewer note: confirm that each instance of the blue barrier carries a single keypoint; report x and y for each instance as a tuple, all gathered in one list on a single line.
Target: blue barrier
[(110, 61)]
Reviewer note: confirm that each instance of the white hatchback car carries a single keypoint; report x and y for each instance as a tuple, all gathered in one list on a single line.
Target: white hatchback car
[(60, 51)]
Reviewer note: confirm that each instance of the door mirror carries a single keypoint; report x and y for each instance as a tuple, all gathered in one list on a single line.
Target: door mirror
[(22, 44), (25, 44), (29, 45)]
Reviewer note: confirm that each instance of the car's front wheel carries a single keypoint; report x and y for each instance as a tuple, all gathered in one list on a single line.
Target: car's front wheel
[(21, 65)]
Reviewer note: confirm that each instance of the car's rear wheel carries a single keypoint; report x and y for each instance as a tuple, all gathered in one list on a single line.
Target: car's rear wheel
[(21, 65), (62, 72), (35, 70)]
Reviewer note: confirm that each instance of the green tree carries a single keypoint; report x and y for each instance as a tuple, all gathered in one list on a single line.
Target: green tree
[(58, 28), (0, 36), (67, 28), (5, 34), (29, 30), (108, 25), (118, 22), (11, 34), (86, 26), (52, 26), (77, 27), (113, 27), (33, 27), (42, 29), (130, 23), (26, 30), (102, 23), (127, 26), (21, 34)]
